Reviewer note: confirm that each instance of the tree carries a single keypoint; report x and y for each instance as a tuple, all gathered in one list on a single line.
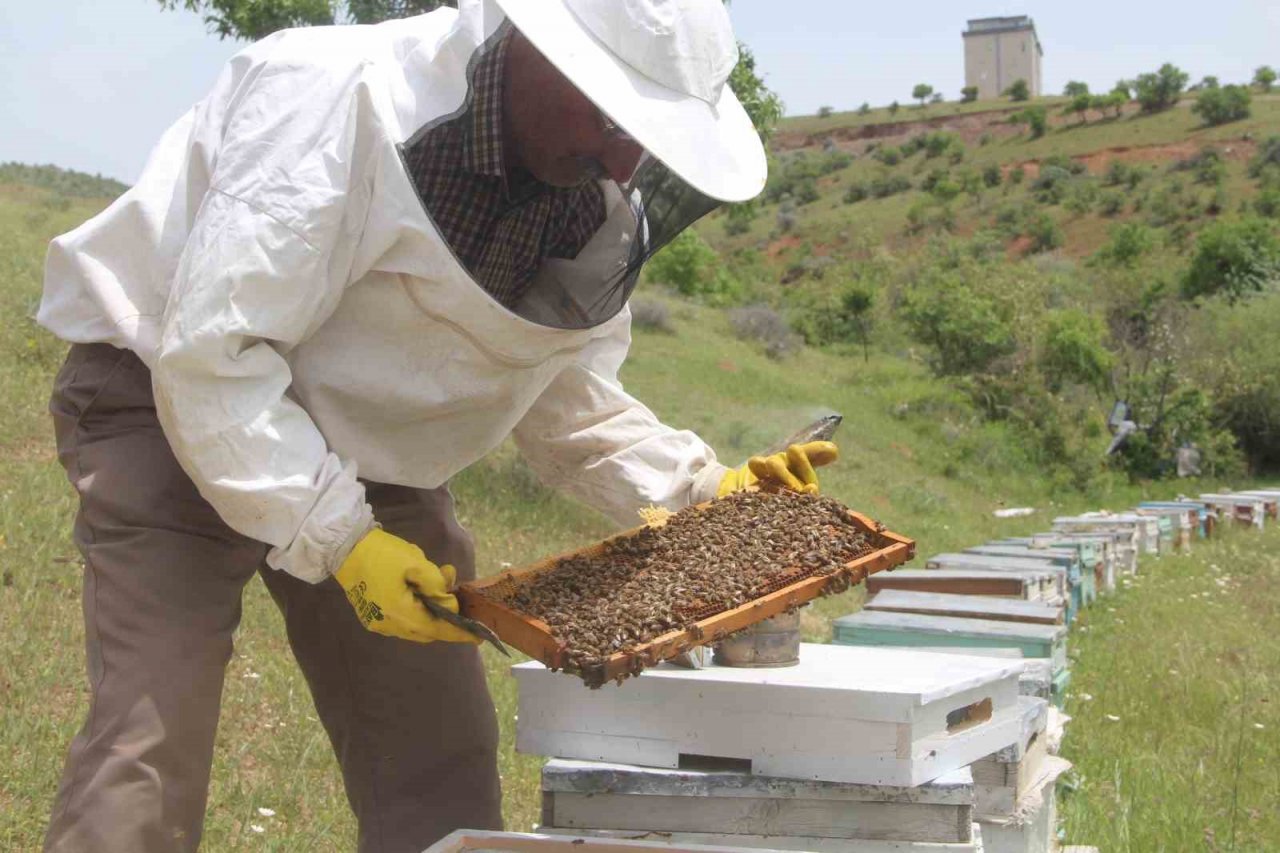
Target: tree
[(825, 112), (1161, 90), (1116, 101), (1219, 106), (1035, 118), (856, 303), (1080, 105), (894, 107), (1075, 89), (1019, 91), (251, 20), (1125, 88), (921, 93), (1264, 78), (865, 109), (968, 94), (1233, 259), (1210, 82)]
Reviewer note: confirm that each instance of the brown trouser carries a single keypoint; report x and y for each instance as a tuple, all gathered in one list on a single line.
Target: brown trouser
[(413, 725)]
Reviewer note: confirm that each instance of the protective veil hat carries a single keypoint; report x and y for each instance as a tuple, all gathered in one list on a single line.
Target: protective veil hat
[(659, 69)]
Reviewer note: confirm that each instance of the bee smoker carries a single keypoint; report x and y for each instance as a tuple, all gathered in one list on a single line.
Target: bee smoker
[(772, 643)]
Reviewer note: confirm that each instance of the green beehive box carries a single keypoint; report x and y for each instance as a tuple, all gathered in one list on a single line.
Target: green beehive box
[(875, 628)]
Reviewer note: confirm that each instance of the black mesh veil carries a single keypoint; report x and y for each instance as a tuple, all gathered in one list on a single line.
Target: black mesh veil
[(659, 206)]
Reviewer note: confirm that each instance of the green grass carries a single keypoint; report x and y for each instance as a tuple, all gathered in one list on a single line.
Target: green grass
[(913, 456), (1175, 733)]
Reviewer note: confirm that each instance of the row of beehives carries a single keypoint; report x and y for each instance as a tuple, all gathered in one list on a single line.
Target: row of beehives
[(932, 723)]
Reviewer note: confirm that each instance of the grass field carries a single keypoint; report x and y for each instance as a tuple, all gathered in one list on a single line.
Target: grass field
[(1184, 760)]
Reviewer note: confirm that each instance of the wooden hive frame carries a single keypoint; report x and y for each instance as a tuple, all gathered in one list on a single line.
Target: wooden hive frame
[(484, 601)]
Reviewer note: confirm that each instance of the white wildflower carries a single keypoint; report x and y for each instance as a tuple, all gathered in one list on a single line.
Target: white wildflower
[(256, 828), (266, 812), (1113, 718)]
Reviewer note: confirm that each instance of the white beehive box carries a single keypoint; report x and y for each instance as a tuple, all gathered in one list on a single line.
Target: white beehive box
[(589, 797), (1249, 509), (1032, 828), (1148, 528), (1004, 778), (869, 716), (1128, 536)]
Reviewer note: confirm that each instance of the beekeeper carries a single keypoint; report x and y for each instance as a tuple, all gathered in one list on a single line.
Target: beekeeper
[(357, 266)]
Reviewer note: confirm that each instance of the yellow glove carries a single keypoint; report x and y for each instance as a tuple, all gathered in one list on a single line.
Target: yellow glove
[(379, 576), (791, 469)]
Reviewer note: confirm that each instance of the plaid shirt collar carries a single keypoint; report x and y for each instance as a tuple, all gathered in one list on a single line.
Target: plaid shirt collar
[(482, 149)]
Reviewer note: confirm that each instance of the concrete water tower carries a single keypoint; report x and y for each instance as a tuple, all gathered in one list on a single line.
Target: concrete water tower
[(1000, 51)]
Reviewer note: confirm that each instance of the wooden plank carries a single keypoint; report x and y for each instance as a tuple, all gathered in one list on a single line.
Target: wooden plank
[(487, 841), (563, 775), (722, 841), (762, 816), (970, 606), (996, 584)]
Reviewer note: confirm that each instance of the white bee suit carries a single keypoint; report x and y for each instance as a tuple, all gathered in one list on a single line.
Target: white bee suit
[(305, 323)]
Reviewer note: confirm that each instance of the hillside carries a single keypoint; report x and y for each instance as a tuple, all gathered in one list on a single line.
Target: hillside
[(1120, 257), (973, 372)]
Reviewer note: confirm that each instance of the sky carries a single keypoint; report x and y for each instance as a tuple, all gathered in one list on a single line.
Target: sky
[(91, 84)]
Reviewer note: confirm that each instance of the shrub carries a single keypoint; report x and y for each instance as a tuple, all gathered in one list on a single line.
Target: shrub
[(939, 143), (807, 192), (1081, 197), (1221, 106), (966, 330), (1035, 118), (1267, 203), (1052, 184), (1019, 91), (894, 107), (991, 175), (1162, 89), (934, 216), (1268, 155), (1016, 175), (1129, 242), (761, 323), (1045, 233), (825, 112), (1073, 351), (865, 109), (885, 185), (651, 314), (1112, 204), (1233, 259), (857, 191), (692, 267), (889, 155), (968, 94), (1208, 166)]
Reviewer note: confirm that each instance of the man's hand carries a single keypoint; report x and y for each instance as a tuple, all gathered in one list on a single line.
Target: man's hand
[(380, 575), (791, 469)]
